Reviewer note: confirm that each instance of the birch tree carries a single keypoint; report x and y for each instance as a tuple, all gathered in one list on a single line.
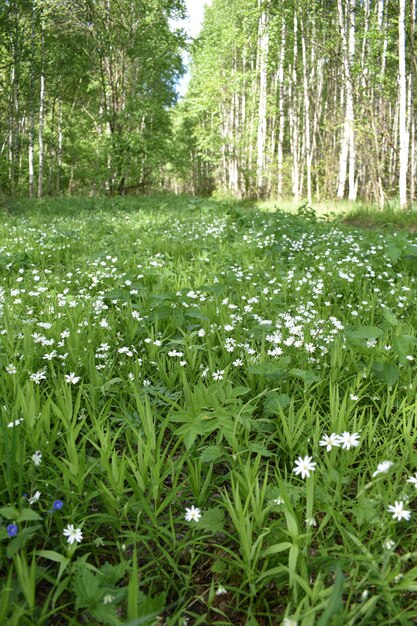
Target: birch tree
[(402, 96)]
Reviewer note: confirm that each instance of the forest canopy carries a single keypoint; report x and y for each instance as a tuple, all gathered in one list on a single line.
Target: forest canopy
[(307, 99), (86, 88)]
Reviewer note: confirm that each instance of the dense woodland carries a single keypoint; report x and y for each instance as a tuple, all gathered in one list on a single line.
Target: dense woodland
[(86, 88), (309, 99)]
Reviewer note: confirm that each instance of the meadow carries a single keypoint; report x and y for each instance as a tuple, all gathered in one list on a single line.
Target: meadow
[(207, 416)]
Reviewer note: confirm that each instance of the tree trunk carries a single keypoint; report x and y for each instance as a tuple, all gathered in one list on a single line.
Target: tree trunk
[(293, 117), (307, 138), (347, 144), (263, 44), (281, 113), (403, 134), (41, 117)]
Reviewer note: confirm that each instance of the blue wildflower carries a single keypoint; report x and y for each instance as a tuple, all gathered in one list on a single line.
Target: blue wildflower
[(57, 505), (12, 530)]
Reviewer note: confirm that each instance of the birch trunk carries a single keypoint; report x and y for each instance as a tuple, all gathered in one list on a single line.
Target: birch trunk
[(60, 144), (294, 120), (403, 134), (347, 144), (41, 118), (263, 44), (307, 138), (31, 167), (281, 113)]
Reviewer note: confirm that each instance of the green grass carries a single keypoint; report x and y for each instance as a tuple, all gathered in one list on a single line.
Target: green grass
[(164, 353)]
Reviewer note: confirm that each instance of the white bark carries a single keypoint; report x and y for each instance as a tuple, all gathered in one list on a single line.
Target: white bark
[(40, 138), (281, 112), (403, 134), (294, 119), (307, 137), (263, 45), (347, 149), (60, 143)]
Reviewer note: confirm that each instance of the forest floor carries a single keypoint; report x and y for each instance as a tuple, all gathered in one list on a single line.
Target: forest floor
[(208, 416)]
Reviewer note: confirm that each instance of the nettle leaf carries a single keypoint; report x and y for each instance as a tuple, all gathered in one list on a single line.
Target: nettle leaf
[(308, 377), (387, 373), (28, 515), (403, 344), (393, 251), (117, 294), (365, 332), (389, 317), (148, 608), (274, 402), (218, 567), (258, 449), (269, 371), (105, 614), (366, 511), (212, 520), (111, 574), (196, 314), (87, 590), (9, 512), (211, 453)]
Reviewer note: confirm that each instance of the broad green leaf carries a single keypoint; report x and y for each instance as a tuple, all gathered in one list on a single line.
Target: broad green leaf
[(387, 373), (365, 332), (211, 453), (274, 402), (9, 512), (212, 520), (28, 515), (309, 378)]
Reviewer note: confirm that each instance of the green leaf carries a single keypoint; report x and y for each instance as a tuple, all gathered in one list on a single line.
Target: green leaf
[(276, 548), (117, 294), (275, 402), (269, 371), (309, 378), (389, 317), (366, 511), (86, 587), (9, 512), (28, 515), (387, 373), (51, 555), (365, 332), (111, 574), (212, 520), (196, 314), (18, 542), (259, 449), (394, 252), (218, 567), (211, 453)]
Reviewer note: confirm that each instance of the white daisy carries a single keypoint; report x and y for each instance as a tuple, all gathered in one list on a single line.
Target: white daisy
[(349, 440), (330, 441), (398, 511), (74, 535), (193, 513), (304, 466)]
